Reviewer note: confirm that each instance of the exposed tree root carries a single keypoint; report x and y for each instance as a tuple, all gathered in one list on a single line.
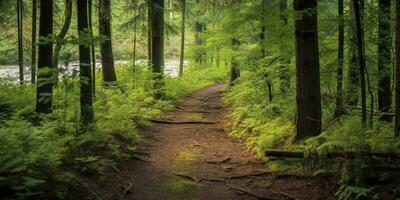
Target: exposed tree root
[(248, 192), (127, 189), (180, 122), (225, 160), (140, 158), (260, 173)]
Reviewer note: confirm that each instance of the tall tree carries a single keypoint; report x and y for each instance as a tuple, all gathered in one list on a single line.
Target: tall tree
[(339, 75), (353, 80), (397, 83), (33, 52), (309, 114), (134, 48), (199, 27), (284, 59), (45, 82), (92, 45), (149, 37), (361, 60), (235, 71), (157, 33), (262, 45), (20, 41), (86, 98), (107, 57), (63, 32), (384, 59), (183, 23)]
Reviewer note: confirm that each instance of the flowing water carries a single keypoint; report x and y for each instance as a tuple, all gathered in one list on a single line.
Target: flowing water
[(11, 72)]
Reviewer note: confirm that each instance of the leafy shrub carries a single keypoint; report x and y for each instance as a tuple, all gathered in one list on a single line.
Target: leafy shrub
[(40, 154)]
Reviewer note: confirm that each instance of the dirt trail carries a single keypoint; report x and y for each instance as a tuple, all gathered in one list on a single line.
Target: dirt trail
[(199, 161)]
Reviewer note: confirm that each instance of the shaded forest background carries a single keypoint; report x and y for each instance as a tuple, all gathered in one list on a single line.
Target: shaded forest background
[(316, 78)]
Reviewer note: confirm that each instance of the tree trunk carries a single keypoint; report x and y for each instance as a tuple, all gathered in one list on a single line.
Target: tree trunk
[(92, 45), (284, 71), (86, 98), (20, 41), (44, 90), (182, 38), (353, 81), (33, 52), (235, 71), (339, 76), (107, 57), (134, 51), (263, 51), (397, 83), (149, 37), (308, 98), (199, 41), (361, 60), (384, 59), (157, 32), (62, 34)]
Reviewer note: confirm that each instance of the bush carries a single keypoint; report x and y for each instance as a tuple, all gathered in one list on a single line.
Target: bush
[(39, 154)]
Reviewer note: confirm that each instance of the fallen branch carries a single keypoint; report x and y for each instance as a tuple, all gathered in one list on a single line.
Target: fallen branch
[(249, 192), (181, 122), (127, 189), (219, 161), (140, 159), (199, 145), (195, 179), (288, 196), (260, 173), (192, 178), (336, 154)]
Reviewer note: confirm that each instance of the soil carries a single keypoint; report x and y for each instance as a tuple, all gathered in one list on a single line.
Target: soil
[(188, 155)]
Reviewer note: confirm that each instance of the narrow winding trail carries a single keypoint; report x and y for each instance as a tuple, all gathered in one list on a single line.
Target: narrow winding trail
[(199, 161)]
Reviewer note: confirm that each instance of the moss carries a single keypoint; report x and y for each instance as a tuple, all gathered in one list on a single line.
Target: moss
[(183, 186), (187, 156)]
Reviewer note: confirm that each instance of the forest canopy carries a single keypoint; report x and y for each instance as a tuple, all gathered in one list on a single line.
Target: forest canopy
[(307, 86)]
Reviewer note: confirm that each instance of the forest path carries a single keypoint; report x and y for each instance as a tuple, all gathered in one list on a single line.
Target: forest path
[(200, 161)]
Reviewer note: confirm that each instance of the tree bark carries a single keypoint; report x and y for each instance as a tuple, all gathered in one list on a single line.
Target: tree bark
[(361, 60), (62, 34), (33, 52), (335, 154), (284, 71), (199, 41), (107, 57), (263, 51), (44, 89), (20, 41), (134, 51), (397, 83), (149, 37), (182, 58), (353, 81), (86, 98), (92, 45), (308, 98), (384, 59), (235, 71), (157, 33), (339, 76)]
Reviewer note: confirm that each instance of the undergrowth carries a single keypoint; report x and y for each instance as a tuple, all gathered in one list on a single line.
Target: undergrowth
[(270, 125), (42, 160)]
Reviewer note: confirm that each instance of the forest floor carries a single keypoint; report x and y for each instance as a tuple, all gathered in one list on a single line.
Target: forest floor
[(188, 155)]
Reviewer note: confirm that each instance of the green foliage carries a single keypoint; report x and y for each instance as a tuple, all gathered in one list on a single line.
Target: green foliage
[(31, 158), (264, 124), (40, 154)]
